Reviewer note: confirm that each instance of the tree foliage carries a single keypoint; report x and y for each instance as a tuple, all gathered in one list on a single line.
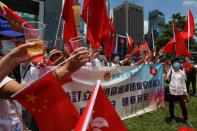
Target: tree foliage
[(162, 40)]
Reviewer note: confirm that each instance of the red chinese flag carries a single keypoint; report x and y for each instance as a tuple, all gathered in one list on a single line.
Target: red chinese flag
[(95, 117), (180, 47), (153, 71), (109, 40), (94, 13), (15, 21), (169, 48), (189, 29), (188, 32), (130, 43), (186, 129), (144, 47), (68, 17), (46, 100)]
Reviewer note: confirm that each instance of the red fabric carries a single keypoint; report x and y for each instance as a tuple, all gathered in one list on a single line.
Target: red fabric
[(130, 43), (153, 71), (105, 119), (169, 48), (38, 59), (178, 46), (186, 129), (94, 13), (50, 106), (50, 63), (109, 40), (189, 27), (137, 53), (190, 20), (144, 47), (68, 17), (181, 49), (15, 21), (188, 67)]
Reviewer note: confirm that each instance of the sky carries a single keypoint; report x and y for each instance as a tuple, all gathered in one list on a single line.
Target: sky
[(168, 7)]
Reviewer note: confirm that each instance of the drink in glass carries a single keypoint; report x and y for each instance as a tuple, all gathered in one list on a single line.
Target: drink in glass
[(77, 42), (34, 32)]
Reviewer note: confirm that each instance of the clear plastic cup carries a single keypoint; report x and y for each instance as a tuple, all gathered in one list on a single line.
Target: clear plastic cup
[(78, 42), (34, 32)]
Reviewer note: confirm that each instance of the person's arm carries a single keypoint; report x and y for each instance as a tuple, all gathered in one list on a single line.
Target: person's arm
[(9, 89), (124, 61), (77, 59), (132, 53), (15, 57), (141, 61)]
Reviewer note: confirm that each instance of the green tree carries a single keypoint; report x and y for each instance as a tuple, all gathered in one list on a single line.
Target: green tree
[(162, 40)]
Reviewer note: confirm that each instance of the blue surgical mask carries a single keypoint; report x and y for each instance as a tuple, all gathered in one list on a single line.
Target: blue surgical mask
[(176, 65)]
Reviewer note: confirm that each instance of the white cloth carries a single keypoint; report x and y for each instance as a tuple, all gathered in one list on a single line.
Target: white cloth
[(177, 84), (97, 63), (28, 74), (120, 63), (9, 121)]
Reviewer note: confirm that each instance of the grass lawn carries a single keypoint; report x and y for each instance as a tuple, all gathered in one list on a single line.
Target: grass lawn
[(159, 120)]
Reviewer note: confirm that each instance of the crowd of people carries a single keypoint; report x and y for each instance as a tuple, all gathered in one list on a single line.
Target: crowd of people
[(18, 69)]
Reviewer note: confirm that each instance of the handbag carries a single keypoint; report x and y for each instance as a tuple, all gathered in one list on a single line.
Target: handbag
[(166, 89), (168, 81)]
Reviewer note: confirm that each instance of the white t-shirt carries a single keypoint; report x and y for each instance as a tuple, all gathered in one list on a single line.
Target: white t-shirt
[(117, 65), (9, 120), (97, 62), (177, 84), (28, 72)]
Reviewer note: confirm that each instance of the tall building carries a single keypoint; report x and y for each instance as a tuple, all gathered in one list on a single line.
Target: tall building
[(47, 11), (129, 17), (156, 18)]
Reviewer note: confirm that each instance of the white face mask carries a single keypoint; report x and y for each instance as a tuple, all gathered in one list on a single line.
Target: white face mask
[(116, 58), (7, 45)]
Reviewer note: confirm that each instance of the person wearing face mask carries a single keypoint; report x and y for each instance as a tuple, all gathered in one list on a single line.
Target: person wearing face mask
[(178, 91), (9, 39), (115, 60)]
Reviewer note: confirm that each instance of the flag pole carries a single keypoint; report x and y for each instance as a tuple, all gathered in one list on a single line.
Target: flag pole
[(188, 42), (90, 111), (58, 28), (116, 49), (174, 36), (153, 41), (127, 19)]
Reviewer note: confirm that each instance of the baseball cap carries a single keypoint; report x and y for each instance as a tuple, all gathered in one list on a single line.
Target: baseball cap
[(5, 29)]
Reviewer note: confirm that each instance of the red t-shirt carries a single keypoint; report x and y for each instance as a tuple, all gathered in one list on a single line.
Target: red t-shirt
[(188, 67)]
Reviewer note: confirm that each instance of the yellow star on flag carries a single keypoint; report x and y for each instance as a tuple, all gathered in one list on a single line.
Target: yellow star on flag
[(31, 98)]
